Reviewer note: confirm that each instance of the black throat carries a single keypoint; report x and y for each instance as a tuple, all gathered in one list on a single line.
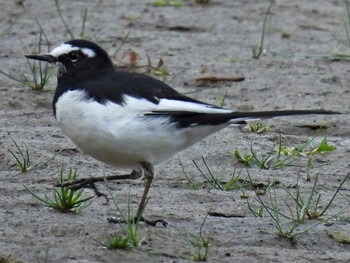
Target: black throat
[(79, 80)]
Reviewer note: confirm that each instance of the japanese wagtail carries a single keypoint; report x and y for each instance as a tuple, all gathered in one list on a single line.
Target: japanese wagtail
[(128, 119)]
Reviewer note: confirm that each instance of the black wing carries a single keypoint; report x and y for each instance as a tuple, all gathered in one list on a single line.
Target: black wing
[(113, 84)]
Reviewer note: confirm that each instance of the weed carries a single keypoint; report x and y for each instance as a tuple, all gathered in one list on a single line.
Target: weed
[(302, 208), (338, 55), (199, 244), (4, 29), (256, 127), (115, 241), (263, 161), (162, 3), (280, 156), (221, 101), (130, 237), (257, 51), (274, 211), (159, 69), (69, 31), (308, 207), (40, 75), (22, 157), (346, 198), (257, 212), (132, 222), (347, 21), (216, 181), (65, 199), (340, 237), (203, 69), (119, 47), (192, 184), (9, 259)]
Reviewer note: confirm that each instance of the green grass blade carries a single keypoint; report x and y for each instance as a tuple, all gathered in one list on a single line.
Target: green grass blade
[(63, 20)]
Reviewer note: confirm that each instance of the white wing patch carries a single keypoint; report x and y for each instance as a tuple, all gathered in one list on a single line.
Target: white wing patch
[(166, 105), (66, 48)]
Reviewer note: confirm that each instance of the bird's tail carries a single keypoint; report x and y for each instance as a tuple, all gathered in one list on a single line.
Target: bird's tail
[(239, 117)]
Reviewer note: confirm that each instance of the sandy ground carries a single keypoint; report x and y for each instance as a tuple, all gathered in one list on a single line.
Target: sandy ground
[(293, 73)]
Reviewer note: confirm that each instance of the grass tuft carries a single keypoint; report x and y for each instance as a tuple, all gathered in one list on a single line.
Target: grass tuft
[(158, 69), (115, 241), (257, 51), (65, 200), (215, 181), (256, 127), (23, 161), (289, 217), (21, 157), (199, 243), (281, 156), (65, 24), (129, 238), (346, 21), (40, 75)]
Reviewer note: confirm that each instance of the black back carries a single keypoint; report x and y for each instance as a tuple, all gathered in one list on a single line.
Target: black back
[(102, 82)]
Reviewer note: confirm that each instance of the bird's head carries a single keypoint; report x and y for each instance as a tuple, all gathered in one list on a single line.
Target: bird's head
[(76, 57)]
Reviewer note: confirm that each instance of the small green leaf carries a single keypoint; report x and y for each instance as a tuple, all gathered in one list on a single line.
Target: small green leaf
[(161, 3), (324, 147)]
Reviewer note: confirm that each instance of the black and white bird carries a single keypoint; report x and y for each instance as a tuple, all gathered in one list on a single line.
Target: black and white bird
[(128, 119)]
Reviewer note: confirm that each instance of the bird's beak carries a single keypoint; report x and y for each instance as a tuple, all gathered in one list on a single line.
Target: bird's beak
[(43, 57)]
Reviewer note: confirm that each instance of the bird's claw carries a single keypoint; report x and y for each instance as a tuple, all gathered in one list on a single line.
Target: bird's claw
[(136, 219), (83, 183)]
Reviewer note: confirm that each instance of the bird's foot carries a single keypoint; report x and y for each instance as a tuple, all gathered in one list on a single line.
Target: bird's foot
[(84, 183), (136, 219), (90, 182)]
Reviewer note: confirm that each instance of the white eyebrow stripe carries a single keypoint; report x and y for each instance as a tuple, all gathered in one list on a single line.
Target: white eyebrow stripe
[(62, 49), (66, 48), (88, 52)]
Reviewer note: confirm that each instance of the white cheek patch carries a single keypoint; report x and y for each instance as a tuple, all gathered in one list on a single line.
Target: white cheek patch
[(66, 48)]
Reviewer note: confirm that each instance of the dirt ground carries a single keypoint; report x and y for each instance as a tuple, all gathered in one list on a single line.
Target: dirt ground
[(293, 73)]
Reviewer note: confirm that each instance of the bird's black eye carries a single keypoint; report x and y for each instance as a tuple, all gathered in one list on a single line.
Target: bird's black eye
[(73, 56)]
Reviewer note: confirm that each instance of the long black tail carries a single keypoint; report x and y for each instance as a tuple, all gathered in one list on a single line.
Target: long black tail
[(240, 117), (187, 119), (273, 114)]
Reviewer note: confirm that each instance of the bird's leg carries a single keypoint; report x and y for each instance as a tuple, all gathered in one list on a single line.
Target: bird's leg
[(90, 182), (148, 175)]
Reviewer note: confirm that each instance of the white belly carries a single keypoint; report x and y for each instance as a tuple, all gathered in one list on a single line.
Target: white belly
[(122, 138)]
